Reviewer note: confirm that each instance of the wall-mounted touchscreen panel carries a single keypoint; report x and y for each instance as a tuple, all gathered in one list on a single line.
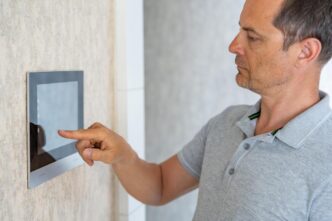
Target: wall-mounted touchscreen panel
[(55, 101)]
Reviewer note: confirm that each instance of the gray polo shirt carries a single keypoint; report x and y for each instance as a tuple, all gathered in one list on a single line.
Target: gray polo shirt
[(281, 175)]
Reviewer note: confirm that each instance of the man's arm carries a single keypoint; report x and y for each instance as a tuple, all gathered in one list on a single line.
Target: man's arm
[(153, 184)]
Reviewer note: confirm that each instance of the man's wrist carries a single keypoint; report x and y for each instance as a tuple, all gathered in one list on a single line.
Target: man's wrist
[(129, 159)]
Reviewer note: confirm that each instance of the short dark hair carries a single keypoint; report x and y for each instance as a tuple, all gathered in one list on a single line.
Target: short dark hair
[(301, 19)]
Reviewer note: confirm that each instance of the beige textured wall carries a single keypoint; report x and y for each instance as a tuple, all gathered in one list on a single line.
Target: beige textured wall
[(54, 35)]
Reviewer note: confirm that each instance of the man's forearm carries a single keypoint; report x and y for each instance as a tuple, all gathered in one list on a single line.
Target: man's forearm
[(141, 179)]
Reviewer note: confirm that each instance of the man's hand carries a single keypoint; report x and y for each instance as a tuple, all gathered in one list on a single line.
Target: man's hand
[(101, 144), (150, 183)]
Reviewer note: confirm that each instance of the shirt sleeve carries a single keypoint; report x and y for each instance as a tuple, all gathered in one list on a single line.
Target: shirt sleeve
[(192, 154), (321, 209)]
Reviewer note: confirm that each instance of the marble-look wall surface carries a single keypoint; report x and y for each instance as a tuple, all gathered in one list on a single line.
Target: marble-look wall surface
[(190, 77), (42, 35)]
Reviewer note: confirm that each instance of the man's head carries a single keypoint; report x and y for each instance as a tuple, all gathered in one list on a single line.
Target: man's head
[(299, 19), (280, 40)]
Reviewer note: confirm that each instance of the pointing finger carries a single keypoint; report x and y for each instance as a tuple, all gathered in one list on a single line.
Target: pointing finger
[(83, 134)]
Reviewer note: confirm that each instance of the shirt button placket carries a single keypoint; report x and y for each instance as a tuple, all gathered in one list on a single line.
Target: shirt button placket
[(231, 171)]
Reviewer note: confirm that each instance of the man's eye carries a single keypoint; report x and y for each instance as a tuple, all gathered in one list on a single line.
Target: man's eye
[(251, 38)]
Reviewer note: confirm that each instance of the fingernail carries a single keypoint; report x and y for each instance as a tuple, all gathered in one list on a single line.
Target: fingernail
[(88, 153)]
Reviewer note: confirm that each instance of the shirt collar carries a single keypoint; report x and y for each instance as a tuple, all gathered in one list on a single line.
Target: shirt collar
[(296, 130), (245, 123)]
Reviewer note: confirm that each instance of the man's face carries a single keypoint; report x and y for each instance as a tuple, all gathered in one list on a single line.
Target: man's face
[(261, 62)]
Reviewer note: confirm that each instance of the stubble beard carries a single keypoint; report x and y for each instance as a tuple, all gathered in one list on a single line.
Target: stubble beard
[(245, 82), (259, 87)]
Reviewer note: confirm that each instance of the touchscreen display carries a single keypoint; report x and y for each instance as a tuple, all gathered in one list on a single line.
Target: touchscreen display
[(57, 108), (55, 101)]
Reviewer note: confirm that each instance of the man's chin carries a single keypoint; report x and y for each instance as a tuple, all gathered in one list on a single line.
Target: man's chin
[(241, 81), (244, 83)]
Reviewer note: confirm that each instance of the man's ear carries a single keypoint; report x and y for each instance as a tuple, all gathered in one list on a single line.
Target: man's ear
[(310, 49)]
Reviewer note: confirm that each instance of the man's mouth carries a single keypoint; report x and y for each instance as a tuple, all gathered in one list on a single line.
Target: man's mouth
[(239, 64), (240, 67)]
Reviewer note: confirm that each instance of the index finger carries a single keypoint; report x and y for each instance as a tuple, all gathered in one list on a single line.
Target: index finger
[(82, 134)]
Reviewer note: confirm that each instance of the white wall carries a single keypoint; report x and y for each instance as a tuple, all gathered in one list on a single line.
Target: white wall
[(326, 80), (129, 92), (190, 76)]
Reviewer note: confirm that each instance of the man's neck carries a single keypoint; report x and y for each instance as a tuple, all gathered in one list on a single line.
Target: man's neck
[(279, 108)]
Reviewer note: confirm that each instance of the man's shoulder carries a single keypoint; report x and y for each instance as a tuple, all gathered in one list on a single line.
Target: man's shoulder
[(323, 133), (318, 150)]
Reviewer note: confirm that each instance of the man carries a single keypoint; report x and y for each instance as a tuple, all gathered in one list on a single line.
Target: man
[(270, 161)]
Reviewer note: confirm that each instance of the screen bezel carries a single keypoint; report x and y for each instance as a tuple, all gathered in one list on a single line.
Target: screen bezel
[(58, 157)]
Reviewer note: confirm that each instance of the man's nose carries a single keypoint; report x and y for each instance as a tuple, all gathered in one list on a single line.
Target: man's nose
[(235, 46)]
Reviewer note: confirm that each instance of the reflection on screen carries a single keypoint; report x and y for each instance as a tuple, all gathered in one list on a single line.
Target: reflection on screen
[(57, 108)]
